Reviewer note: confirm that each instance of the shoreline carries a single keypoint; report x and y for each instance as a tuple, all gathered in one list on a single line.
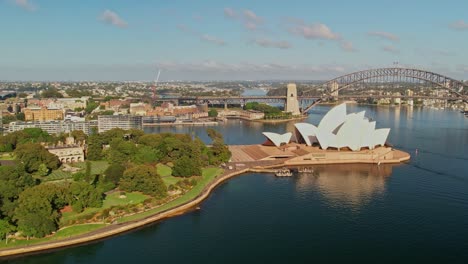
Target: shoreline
[(120, 228)]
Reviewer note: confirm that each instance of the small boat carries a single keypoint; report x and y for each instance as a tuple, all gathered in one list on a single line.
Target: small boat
[(305, 170), (284, 172)]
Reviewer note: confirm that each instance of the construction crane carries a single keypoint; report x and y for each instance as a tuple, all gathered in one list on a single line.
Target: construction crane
[(154, 85)]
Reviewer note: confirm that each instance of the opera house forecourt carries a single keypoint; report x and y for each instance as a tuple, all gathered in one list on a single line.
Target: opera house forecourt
[(338, 138)]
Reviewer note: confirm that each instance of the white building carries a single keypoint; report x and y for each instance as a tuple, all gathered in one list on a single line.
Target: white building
[(337, 129), (54, 127), (108, 122)]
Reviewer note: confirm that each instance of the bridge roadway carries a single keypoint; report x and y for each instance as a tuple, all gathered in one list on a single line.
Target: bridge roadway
[(278, 98)]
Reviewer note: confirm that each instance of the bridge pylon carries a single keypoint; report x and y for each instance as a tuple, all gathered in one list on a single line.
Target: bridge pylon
[(292, 103)]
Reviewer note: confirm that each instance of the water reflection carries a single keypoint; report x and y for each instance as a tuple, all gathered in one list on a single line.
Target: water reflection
[(349, 185)]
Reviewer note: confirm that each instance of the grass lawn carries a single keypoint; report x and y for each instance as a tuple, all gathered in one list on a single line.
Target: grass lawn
[(57, 175), (112, 199), (166, 174), (97, 166), (163, 170), (7, 156), (208, 176), (64, 233)]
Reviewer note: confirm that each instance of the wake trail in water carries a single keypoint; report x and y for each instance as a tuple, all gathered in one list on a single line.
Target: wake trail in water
[(452, 176), (434, 153)]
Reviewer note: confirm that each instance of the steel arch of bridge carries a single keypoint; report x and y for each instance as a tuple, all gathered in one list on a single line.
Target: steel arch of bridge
[(456, 87)]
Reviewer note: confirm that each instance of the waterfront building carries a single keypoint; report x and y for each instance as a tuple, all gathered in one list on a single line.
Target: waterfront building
[(108, 122), (55, 127), (277, 139), (337, 130), (139, 108), (251, 114), (42, 114), (340, 130)]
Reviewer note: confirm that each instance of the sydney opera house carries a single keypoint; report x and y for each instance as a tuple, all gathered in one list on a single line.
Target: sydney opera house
[(336, 130)]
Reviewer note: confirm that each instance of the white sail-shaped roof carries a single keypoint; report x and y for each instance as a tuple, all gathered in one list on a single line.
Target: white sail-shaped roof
[(337, 130), (367, 135), (307, 132), (334, 118), (326, 139), (380, 136), (349, 134), (278, 139)]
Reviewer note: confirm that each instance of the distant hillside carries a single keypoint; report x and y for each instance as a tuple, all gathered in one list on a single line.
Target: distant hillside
[(312, 90)]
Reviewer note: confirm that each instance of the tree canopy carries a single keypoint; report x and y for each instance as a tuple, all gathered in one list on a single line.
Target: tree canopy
[(32, 155), (145, 179)]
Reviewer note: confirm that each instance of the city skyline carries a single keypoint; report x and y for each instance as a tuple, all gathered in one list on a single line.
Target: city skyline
[(232, 40)]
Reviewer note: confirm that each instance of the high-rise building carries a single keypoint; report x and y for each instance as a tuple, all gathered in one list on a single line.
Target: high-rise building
[(54, 127), (108, 122), (334, 89)]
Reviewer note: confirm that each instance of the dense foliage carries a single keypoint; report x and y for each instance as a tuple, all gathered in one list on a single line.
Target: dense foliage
[(35, 208), (34, 157), (265, 108), (145, 179)]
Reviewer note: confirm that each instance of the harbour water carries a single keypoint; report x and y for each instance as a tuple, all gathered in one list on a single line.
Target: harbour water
[(413, 212)]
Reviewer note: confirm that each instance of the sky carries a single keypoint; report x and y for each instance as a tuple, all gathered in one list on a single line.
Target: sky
[(116, 40)]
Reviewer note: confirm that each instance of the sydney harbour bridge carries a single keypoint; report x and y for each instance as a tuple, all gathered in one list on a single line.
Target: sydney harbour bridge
[(456, 90)]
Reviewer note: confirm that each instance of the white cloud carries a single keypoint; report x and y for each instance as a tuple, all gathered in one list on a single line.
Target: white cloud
[(390, 49), (267, 43), (459, 25), (213, 39), (25, 4), (347, 46), (204, 37), (230, 13), (250, 16), (384, 35), (314, 31), (319, 31), (112, 18)]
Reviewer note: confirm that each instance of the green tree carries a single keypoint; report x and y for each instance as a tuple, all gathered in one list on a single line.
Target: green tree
[(91, 106), (5, 229), (43, 170), (145, 179), (13, 181), (146, 154), (186, 167), (51, 93), (94, 150), (32, 155), (78, 135), (7, 119), (120, 151), (218, 152), (85, 195), (20, 116), (35, 214), (114, 172), (213, 113)]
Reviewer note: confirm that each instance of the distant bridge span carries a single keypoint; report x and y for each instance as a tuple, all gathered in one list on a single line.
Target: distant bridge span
[(457, 88)]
